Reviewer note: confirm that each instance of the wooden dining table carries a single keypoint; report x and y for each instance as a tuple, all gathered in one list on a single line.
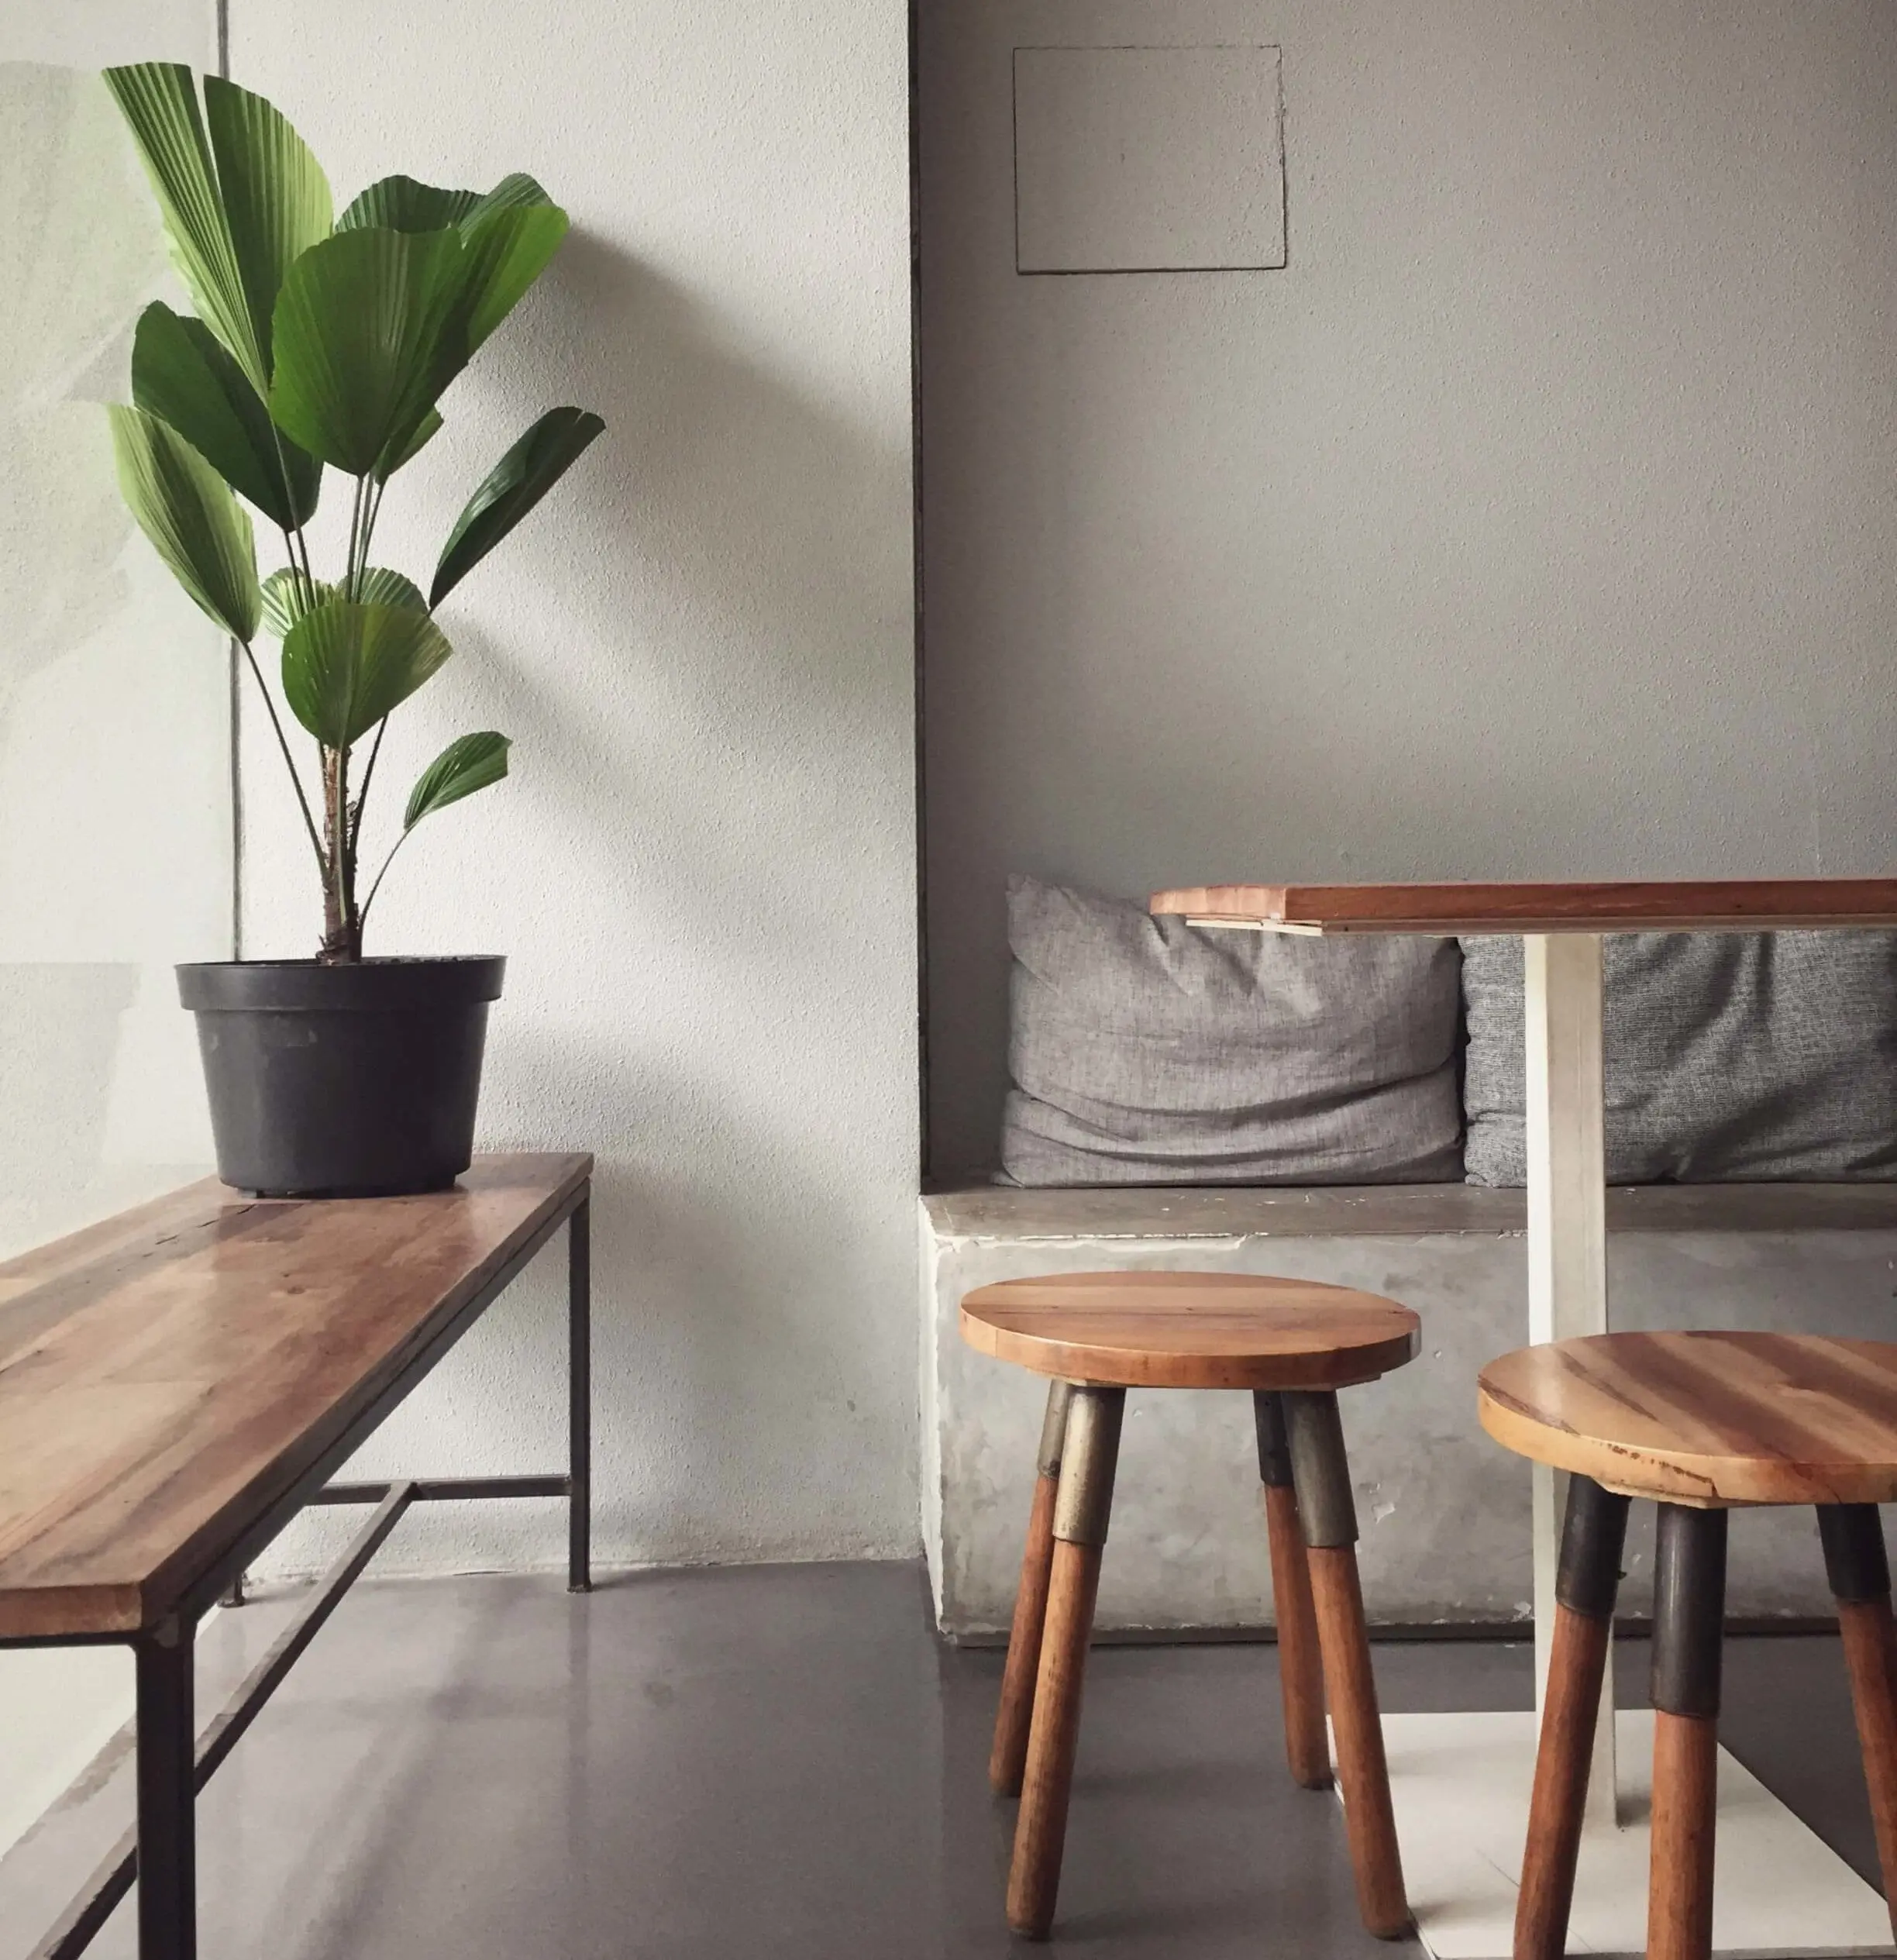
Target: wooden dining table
[(1460, 1783)]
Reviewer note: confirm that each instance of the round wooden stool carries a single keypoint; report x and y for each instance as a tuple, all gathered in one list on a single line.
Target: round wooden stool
[(1699, 1422), (1293, 1343)]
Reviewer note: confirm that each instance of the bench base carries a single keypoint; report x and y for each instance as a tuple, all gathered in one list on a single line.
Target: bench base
[(1188, 1548)]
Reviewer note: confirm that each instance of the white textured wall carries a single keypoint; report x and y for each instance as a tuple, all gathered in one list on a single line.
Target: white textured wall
[(702, 870), (115, 773), (1538, 518)]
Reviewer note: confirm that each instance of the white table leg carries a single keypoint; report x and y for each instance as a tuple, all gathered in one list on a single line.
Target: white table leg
[(1567, 1234)]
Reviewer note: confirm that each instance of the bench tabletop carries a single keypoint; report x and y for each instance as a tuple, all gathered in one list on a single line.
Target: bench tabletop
[(1718, 905), (168, 1374)]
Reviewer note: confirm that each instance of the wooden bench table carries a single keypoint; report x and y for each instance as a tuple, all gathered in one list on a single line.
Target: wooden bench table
[(178, 1382)]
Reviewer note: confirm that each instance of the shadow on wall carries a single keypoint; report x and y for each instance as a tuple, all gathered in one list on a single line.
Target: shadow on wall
[(60, 1026), (727, 508), (78, 254), (733, 1420)]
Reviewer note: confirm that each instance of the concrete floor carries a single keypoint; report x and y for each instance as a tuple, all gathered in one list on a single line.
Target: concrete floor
[(782, 1762)]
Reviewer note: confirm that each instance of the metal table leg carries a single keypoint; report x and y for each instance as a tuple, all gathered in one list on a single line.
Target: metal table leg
[(167, 1891), (580, 1395)]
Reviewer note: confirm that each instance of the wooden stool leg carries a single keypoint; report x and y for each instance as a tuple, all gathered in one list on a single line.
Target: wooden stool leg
[(1593, 1536), (1329, 1517), (1009, 1757), (1689, 1605), (1860, 1576), (1301, 1668), (1081, 1507)]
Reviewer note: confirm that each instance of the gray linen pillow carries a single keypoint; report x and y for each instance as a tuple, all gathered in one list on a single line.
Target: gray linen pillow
[(1736, 1058), (1145, 1051)]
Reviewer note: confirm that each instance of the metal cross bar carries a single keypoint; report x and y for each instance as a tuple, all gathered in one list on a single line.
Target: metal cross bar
[(436, 1490), (112, 1880)]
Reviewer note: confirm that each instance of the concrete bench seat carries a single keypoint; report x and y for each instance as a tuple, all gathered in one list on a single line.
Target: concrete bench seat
[(1187, 1548)]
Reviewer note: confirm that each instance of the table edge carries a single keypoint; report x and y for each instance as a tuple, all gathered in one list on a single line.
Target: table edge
[(127, 1606)]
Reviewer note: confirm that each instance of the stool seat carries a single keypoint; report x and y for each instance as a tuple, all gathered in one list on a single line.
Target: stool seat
[(1190, 1330), (1698, 1421), (1706, 1418)]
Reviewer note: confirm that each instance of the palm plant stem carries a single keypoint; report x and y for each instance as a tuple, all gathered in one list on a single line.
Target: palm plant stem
[(363, 918), (296, 781), (362, 795)]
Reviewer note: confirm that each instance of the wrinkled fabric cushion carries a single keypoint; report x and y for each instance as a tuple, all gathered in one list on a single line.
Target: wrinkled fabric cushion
[(1729, 1057), (1145, 1051)]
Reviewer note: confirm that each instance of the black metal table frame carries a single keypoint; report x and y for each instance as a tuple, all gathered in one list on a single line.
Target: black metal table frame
[(174, 1762)]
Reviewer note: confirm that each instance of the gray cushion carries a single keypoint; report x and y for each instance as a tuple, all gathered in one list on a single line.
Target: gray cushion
[(1729, 1057), (1145, 1051)]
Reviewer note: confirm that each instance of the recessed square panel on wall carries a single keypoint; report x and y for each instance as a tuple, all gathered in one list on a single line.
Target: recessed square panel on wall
[(1148, 159)]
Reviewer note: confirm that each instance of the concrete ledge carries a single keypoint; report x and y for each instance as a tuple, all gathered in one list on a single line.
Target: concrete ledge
[(998, 1212), (1444, 1512)]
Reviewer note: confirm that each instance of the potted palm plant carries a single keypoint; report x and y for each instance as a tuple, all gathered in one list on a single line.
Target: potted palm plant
[(324, 341)]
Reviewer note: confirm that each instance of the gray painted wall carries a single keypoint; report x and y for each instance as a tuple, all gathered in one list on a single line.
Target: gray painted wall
[(1538, 518)]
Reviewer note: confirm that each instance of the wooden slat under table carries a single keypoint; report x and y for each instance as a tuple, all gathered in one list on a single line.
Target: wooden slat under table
[(1722, 905), (167, 1376)]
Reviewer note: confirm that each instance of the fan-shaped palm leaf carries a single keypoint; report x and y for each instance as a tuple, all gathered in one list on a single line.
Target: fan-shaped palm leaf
[(394, 457), (401, 204), (516, 189), (276, 197), (182, 374), (470, 762), (360, 332), (518, 482), (384, 587), (288, 595), (159, 105), (508, 248), (186, 510), (346, 664)]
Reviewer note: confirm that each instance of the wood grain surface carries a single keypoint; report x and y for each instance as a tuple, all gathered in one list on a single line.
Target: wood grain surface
[(1558, 1808), (1362, 1771), (1730, 904), (1870, 1644), (1685, 1783), (1706, 1417), (167, 1375), (1007, 1760), (1190, 1330), (1047, 1783), (1300, 1664)]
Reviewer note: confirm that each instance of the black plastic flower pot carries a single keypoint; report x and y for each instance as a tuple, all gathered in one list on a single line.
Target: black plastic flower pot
[(354, 1081)]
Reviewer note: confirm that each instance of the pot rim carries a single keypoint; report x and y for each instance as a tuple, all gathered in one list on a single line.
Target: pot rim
[(375, 959), (404, 984)]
